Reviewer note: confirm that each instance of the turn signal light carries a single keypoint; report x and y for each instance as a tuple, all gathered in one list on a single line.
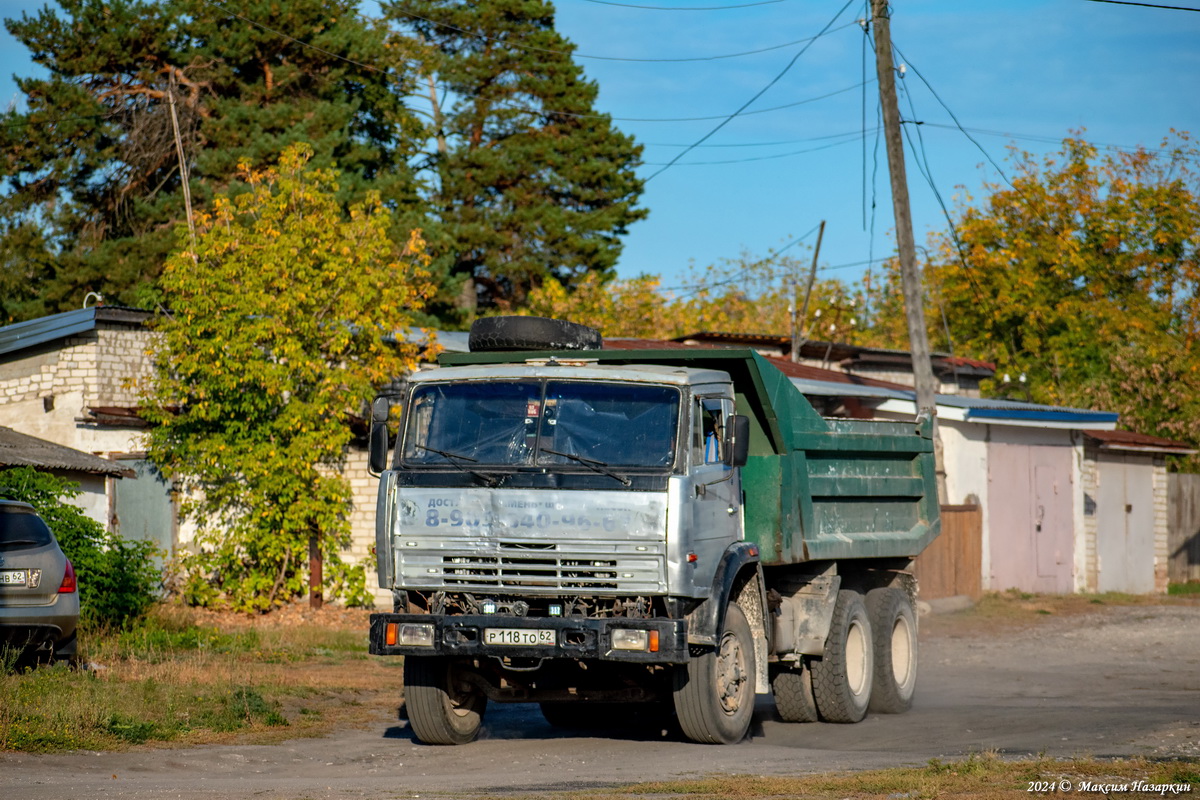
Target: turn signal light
[(389, 633), (653, 641), (68, 584)]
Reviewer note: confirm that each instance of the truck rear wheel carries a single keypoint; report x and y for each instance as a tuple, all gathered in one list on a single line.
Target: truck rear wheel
[(842, 678), (442, 707), (895, 627), (714, 692), (792, 687)]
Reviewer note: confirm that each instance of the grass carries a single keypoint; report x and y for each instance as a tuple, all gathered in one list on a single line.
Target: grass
[(982, 777), (171, 680), (1189, 589)]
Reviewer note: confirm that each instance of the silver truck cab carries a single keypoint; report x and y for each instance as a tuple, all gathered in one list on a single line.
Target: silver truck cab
[(556, 480)]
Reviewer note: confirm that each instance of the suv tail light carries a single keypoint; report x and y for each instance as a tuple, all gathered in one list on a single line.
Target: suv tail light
[(68, 582)]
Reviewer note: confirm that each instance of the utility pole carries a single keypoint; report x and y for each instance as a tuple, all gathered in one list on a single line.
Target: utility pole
[(800, 315), (910, 276)]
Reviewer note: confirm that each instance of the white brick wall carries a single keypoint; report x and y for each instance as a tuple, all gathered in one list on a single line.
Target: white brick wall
[(364, 489), (1090, 526), (1161, 547)]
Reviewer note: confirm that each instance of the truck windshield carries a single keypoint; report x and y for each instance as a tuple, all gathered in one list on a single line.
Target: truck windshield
[(516, 423)]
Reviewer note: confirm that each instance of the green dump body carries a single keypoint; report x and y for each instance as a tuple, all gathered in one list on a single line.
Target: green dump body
[(815, 489)]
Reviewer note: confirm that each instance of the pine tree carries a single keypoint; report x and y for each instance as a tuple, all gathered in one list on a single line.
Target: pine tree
[(529, 182), (90, 185)]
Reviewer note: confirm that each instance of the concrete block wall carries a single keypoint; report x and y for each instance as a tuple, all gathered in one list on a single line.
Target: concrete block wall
[(123, 362), (102, 366), (1161, 525), (63, 370)]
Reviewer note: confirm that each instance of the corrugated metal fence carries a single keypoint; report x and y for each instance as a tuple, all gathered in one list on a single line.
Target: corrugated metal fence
[(1183, 528), (953, 564)]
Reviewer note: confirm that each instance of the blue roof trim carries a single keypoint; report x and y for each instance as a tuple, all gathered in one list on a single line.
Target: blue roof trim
[(21, 335), (1047, 414)]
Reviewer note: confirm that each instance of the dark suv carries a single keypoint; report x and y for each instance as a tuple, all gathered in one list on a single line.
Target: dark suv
[(39, 599)]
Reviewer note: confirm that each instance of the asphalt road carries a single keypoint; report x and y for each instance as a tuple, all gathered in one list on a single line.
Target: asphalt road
[(1120, 681)]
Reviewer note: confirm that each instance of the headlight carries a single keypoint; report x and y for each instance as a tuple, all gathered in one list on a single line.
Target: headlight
[(626, 639), (409, 633)]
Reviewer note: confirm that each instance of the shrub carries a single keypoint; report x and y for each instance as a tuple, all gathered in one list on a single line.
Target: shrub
[(118, 578)]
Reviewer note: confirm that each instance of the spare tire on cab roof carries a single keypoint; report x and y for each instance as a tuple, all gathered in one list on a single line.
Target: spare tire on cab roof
[(500, 334)]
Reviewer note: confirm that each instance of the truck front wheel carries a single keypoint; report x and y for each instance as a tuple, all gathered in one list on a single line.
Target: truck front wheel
[(714, 691), (895, 627), (442, 707), (842, 677)]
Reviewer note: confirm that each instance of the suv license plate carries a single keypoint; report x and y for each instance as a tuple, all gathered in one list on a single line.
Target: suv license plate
[(12, 577), (522, 637)]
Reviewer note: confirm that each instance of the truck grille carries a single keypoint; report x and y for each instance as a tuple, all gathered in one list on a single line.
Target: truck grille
[(607, 568)]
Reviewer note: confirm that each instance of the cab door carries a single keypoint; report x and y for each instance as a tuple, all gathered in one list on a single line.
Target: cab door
[(716, 488)]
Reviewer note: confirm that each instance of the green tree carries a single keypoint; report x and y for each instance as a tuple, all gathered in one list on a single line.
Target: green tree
[(1083, 275), (284, 318), (117, 578), (90, 187), (528, 181)]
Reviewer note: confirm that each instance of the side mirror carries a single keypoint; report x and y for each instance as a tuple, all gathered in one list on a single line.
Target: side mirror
[(737, 439), (378, 441)]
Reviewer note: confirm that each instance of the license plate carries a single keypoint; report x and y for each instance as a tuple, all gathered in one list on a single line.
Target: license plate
[(521, 637), (12, 577)]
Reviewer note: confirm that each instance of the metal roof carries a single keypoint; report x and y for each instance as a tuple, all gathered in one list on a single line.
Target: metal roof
[(23, 450), (22, 335), (967, 409), (1139, 442)]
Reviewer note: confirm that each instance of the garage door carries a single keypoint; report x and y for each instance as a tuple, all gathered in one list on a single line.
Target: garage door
[(1125, 524), (1030, 520)]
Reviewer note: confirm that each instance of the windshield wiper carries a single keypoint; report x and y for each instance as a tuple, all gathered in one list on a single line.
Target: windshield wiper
[(455, 458), (590, 463)]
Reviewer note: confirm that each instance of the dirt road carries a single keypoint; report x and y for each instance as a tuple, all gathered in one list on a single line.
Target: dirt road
[(1116, 681)]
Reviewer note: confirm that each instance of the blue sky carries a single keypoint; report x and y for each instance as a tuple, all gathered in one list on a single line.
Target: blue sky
[(1033, 68)]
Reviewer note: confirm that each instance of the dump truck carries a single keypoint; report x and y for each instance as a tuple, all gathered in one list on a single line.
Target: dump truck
[(617, 534)]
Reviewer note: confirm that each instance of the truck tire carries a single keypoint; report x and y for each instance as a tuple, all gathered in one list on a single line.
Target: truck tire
[(792, 687), (714, 691), (842, 678), (507, 334), (895, 628), (442, 709)]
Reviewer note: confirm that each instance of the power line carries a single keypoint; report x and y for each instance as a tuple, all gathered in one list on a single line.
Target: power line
[(725, 117), (685, 8), (1144, 5), (750, 158), (847, 134), (696, 288), (863, 263), (551, 51), (760, 93)]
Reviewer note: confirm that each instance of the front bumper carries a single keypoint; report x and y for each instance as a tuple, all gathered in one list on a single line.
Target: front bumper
[(575, 638)]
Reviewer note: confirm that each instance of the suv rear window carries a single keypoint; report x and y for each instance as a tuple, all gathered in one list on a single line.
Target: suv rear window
[(21, 528)]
